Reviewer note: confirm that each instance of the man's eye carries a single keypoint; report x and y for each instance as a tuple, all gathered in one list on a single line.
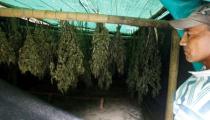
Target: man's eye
[(189, 35)]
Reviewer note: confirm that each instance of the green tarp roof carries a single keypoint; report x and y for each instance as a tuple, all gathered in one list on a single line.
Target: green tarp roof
[(130, 8)]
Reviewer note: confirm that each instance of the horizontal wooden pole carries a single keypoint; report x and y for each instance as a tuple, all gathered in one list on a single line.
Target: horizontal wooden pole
[(41, 14)]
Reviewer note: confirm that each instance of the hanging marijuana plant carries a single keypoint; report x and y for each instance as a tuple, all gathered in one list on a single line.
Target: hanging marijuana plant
[(7, 53), (34, 55), (85, 44), (118, 51), (14, 37), (145, 64), (100, 56), (69, 64)]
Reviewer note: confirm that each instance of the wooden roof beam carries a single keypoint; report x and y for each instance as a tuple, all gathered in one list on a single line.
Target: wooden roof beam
[(41, 14)]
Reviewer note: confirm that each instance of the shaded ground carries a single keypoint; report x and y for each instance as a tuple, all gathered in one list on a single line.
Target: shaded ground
[(89, 108)]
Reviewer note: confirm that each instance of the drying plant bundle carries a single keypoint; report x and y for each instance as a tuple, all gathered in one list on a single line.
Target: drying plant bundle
[(85, 45), (34, 55), (14, 37), (7, 53), (118, 52), (145, 64), (69, 64), (100, 56)]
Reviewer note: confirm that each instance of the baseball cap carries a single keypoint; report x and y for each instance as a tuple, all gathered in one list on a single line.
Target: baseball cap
[(201, 15)]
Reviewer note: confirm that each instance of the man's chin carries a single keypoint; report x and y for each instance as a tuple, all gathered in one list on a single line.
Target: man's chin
[(189, 59)]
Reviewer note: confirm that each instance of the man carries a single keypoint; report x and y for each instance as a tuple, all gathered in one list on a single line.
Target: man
[(192, 100)]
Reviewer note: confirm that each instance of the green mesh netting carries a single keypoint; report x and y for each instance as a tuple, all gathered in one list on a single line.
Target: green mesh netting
[(130, 8)]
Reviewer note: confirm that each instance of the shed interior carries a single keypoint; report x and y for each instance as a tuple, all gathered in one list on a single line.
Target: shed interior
[(91, 70)]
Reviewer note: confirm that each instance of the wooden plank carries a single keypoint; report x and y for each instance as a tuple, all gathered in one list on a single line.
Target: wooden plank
[(41, 14), (173, 73)]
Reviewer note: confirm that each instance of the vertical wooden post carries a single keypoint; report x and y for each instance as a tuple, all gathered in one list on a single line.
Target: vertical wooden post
[(173, 73)]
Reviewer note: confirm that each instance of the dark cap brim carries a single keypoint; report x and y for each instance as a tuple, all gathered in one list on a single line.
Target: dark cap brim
[(184, 23)]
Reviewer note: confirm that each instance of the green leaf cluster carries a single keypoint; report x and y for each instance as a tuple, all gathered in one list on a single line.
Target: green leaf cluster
[(145, 64), (118, 52), (7, 53), (15, 39), (34, 56), (69, 63), (100, 56)]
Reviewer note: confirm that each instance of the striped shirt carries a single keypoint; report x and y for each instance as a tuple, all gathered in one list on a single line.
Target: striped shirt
[(192, 100)]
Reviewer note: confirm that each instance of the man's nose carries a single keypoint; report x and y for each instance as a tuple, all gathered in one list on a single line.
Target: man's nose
[(184, 40)]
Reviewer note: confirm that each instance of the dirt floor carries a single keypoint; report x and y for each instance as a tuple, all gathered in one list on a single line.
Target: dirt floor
[(90, 109), (114, 110)]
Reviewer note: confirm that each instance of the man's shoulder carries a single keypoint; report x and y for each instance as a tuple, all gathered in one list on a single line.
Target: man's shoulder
[(194, 94)]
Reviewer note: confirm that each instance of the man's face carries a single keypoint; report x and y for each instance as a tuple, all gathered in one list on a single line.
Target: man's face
[(196, 43)]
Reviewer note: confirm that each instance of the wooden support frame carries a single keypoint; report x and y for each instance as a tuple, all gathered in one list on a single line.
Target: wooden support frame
[(41, 14), (173, 73), (174, 57)]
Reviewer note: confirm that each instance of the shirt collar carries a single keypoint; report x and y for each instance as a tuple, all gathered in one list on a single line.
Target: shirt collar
[(203, 73)]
